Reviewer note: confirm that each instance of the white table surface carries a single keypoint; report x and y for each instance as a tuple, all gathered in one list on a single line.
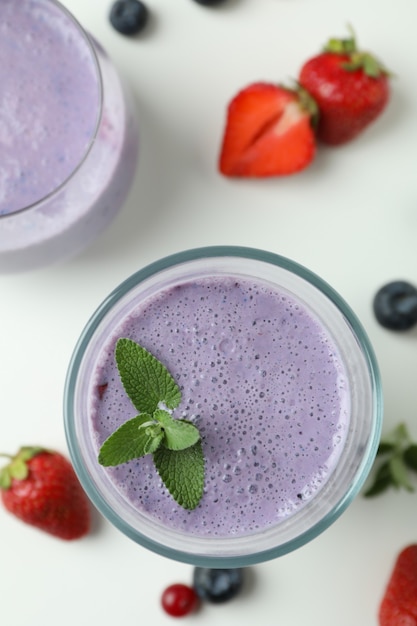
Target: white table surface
[(351, 217)]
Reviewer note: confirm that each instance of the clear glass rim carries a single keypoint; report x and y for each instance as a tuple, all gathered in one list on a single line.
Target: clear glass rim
[(375, 382), (94, 134)]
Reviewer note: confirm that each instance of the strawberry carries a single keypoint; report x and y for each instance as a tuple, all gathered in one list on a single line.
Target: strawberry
[(41, 488), (399, 604), (268, 132), (351, 89)]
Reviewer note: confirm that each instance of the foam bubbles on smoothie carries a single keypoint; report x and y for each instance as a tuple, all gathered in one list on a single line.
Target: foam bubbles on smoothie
[(262, 381)]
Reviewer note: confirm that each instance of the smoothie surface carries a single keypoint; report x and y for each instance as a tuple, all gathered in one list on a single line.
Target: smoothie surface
[(49, 100), (263, 381)]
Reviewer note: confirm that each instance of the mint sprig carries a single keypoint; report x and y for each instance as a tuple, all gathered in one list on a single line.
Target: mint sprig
[(174, 443), (395, 464)]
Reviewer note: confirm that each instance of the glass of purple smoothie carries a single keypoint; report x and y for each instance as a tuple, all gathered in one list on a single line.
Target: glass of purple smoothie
[(277, 373), (68, 136)]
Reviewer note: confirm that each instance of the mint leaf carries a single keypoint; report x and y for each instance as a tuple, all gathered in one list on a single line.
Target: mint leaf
[(131, 440), (381, 482), (410, 457), (385, 447), (179, 434), (146, 380), (399, 473), (182, 472), (399, 460)]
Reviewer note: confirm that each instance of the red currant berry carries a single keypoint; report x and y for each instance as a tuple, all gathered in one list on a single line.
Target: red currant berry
[(179, 600)]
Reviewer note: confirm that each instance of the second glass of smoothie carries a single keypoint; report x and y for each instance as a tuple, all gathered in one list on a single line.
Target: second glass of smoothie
[(276, 372), (68, 136)]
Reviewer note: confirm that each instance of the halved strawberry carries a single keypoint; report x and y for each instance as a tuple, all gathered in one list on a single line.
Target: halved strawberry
[(399, 604), (268, 132)]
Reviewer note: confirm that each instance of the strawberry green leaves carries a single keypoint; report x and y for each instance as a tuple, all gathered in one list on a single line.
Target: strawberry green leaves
[(397, 456), (17, 467), (174, 443)]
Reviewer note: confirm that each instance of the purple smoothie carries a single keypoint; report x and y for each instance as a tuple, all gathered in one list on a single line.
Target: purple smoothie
[(49, 101), (263, 381), (68, 136)]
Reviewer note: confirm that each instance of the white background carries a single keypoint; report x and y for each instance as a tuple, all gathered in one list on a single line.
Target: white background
[(351, 217)]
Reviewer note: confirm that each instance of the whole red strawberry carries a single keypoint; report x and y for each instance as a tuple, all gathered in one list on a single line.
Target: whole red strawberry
[(399, 604), (41, 488), (351, 89), (268, 132)]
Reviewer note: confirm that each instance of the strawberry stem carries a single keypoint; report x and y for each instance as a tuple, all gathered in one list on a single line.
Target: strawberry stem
[(308, 104), (342, 46), (357, 60)]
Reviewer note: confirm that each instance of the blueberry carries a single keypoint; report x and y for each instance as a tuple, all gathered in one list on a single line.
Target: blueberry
[(217, 585), (128, 17), (395, 305), (208, 3)]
